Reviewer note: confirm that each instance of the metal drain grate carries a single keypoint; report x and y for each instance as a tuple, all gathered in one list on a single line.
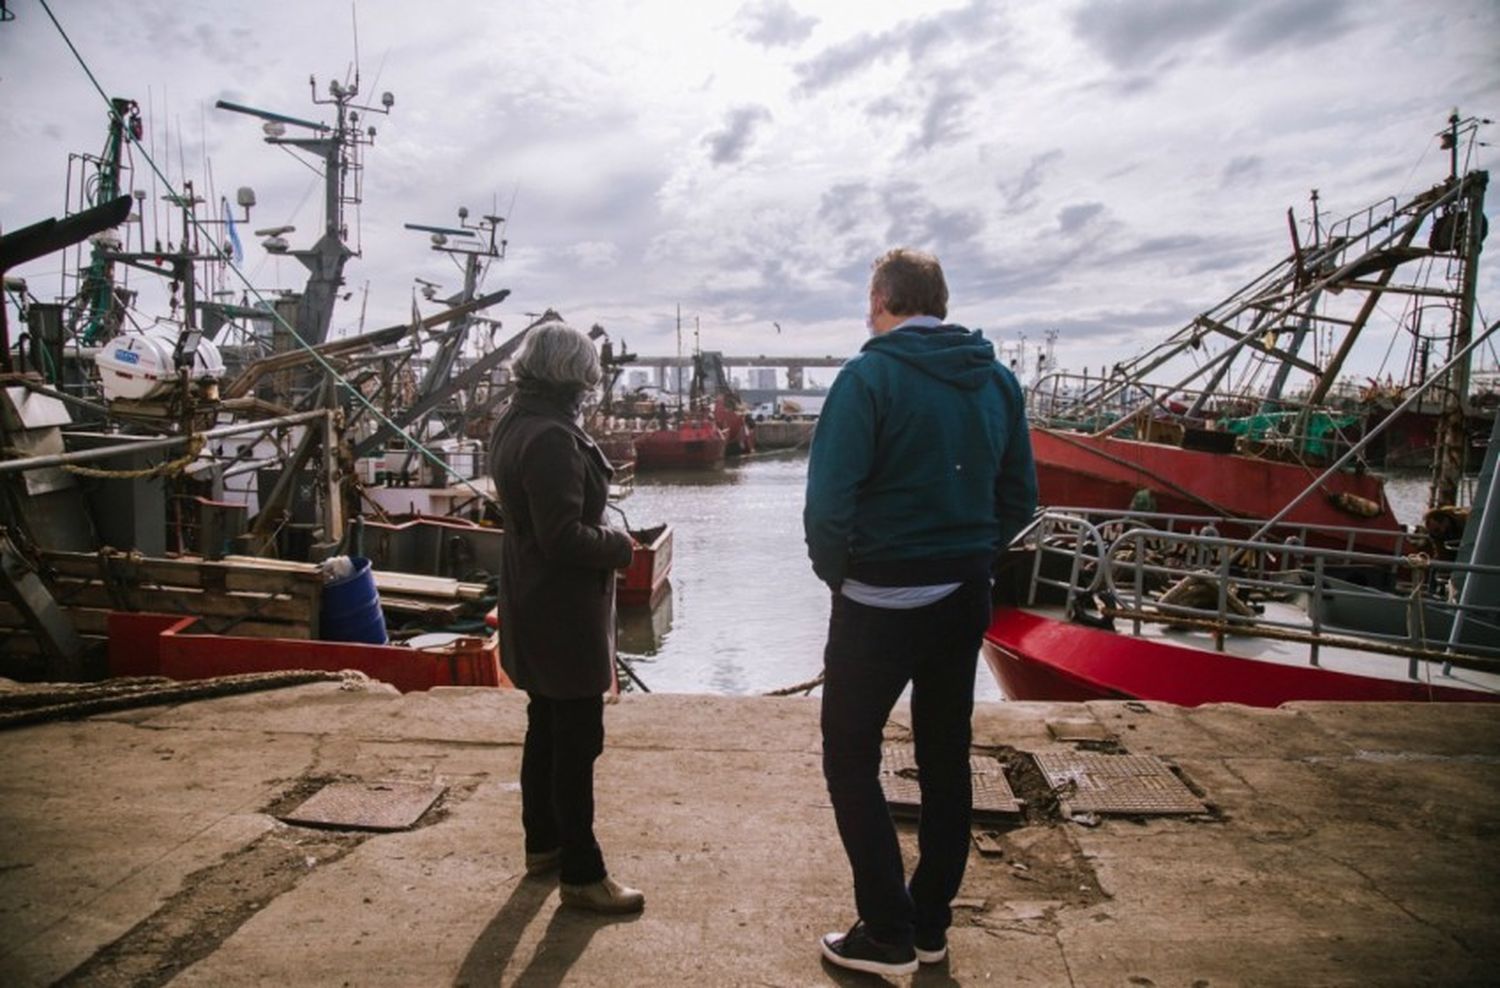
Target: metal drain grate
[(366, 805), (898, 780), (1138, 785)]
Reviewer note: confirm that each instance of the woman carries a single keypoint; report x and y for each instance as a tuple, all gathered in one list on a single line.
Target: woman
[(557, 605)]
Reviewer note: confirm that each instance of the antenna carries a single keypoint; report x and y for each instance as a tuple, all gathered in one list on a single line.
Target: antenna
[(354, 16)]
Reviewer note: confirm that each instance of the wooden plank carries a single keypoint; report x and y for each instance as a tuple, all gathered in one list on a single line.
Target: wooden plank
[(94, 621), (184, 572), (422, 608), (261, 607), (395, 581), (252, 629)]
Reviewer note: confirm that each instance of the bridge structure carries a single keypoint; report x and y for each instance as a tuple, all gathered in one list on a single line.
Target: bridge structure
[(795, 367)]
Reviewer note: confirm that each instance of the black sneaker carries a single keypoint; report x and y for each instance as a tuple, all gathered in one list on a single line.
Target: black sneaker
[(856, 951), (931, 948)]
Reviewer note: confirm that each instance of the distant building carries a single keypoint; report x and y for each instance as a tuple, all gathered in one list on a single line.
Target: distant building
[(637, 379), (762, 378), (675, 379)]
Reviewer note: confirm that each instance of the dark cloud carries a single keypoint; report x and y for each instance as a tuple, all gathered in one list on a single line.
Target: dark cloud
[(917, 221), (729, 145), (841, 61), (1137, 34), (773, 23), (885, 107), (1171, 244), (1071, 219), (1021, 194), (1245, 168), (1150, 321), (918, 38), (1293, 23), (942, 120), (1232, 259), (845, 205), (1155, 33)]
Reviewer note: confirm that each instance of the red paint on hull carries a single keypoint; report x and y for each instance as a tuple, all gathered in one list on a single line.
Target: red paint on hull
[(644, 581), (1040, 658), (1081, 471), (695, 444), (146, 644)]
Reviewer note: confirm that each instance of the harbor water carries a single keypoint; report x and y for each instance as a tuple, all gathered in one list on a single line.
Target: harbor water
[(745, 613)]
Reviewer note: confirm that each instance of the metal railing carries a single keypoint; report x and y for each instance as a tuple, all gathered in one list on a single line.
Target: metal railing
[(1179, 570)]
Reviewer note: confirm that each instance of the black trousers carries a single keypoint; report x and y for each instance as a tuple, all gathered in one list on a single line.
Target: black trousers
[(563, 739), (872, 654)]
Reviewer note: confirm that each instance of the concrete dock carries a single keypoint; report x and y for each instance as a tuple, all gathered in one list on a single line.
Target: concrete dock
[(1341, 844)]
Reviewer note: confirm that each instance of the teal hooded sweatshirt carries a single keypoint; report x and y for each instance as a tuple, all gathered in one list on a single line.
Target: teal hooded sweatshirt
[(921, 467)]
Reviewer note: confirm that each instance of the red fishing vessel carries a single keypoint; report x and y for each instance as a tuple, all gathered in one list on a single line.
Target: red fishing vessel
[(690, 441), (1159, 607), (1107, 473), (1232, 413)]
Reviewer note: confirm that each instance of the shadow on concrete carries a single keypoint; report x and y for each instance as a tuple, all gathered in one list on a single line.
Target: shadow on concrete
[(497, 943), (567, 936)]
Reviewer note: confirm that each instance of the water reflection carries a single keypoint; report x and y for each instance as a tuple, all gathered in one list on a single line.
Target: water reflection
[(641, 630), (723, 473)]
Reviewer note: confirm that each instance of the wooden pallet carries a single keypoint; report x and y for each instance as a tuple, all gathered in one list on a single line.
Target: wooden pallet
[(228, 597), (240, 595)]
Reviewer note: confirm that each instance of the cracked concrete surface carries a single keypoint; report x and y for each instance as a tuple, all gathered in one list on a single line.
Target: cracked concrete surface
[(1347, 844)]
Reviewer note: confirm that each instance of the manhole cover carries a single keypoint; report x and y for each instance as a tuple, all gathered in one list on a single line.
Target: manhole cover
[(898, 779), (366, 805), (1139, 785)]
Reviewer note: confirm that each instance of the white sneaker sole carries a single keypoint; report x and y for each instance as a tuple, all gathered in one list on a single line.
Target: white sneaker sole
[(931, 956), (855, 964)]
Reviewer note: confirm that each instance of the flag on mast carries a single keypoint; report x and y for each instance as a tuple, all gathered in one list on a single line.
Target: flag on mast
[(234, 235)]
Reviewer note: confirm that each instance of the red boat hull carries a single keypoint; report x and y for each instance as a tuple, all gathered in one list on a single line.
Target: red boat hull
[(644, 581), (691, 445), (1039, 658), (1082, 471)]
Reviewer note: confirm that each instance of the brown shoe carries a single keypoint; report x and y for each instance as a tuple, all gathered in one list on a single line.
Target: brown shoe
[(541, 862), (606, 896)]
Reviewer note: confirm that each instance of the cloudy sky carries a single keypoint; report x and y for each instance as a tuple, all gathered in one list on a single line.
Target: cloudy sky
[(1103, 169)]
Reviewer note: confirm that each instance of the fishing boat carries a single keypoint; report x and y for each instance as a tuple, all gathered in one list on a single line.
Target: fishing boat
[(1230, 415), (167, 505), (644, 582), (686, 440), (1151, 606)]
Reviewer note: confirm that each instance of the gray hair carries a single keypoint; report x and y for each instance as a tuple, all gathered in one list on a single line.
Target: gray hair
[(557, 354)]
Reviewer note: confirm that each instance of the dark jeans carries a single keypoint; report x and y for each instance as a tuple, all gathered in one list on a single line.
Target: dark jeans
[(563, 738), (872, 654)]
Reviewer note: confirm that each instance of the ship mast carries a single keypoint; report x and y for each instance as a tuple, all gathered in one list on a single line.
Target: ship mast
[(338, 147), (1465, 223)]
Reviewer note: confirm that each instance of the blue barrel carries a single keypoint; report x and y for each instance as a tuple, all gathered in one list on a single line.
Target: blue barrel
[(351, 607)]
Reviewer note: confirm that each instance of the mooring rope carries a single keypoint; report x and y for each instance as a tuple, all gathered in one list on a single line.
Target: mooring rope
[(70, 701)]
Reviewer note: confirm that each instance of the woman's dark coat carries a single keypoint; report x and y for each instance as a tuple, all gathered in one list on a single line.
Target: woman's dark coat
[(558, 558)]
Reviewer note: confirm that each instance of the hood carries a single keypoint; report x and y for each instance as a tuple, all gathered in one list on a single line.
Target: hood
[(951, 354)]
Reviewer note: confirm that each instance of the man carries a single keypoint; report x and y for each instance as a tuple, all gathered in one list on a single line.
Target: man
[(920, 473)]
